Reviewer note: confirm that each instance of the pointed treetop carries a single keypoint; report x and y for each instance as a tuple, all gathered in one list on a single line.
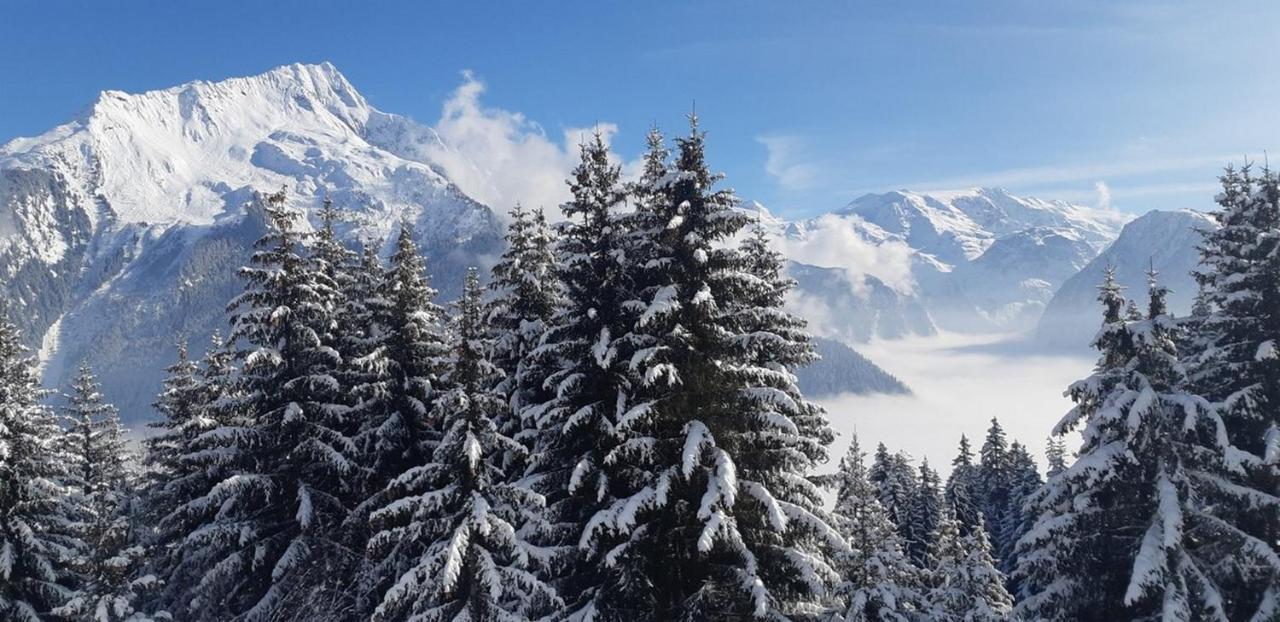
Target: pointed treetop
[(1111, 295), (1158, 293)]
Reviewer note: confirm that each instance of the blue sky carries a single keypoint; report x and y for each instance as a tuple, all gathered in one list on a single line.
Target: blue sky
[(808, 103)]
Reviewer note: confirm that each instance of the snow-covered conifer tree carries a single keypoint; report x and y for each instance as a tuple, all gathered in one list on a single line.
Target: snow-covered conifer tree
[(179, 405), (927, 507), (1056, 456), (182, 468), (1022, 483), (348, 321), (895, 479), (964, 585), (467, 521), (962, 488), (35, 516), (109, 559), (94, 438), (993, 478), (269, 530), (878, 583), (712, 530), (589, 351), (1235, 364), (1133, 528), (402, 377), (525, 296)]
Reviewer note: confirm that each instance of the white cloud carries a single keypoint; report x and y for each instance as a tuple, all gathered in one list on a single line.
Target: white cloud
[(783, 161), (501, 157), (834, 242), (1104, 194)]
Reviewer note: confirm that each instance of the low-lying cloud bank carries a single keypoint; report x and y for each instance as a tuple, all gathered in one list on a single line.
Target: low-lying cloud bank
[(959, 386)]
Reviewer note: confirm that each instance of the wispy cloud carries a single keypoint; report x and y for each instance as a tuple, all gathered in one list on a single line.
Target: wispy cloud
[(1034, 176), (785, 161), (1104, 194)]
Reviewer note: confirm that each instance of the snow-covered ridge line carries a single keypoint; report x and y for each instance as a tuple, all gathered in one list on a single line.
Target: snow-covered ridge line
[(125, 221)]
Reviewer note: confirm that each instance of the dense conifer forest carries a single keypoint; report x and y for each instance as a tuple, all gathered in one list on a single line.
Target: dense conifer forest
[(607, 426)]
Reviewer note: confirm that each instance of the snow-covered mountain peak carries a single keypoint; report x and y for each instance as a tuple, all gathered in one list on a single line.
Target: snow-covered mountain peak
[(960, 225), (125, 225), (175, 155)]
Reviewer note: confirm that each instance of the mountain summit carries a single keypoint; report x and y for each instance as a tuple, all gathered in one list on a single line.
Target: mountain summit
[(124, 226), (977, 260)]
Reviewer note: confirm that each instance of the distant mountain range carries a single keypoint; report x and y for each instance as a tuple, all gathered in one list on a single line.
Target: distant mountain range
[(122, 230), (980, 260), (1165, 241)]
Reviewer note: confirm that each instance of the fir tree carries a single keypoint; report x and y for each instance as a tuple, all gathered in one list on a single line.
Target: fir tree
[(270, 527), (877, 583), (348, 317), (94, 438), (408, 355), (771, 345), (993, 478), (35, 518), (1056, 456), (178, 405), (712, 529), (109, 559), (1131, 530), (183, 467), (1235, 364), (964, 585), (963, 487), (526, 295), (1022, 484), (468, 522), (895, 479), (588, 349), (927, 508)]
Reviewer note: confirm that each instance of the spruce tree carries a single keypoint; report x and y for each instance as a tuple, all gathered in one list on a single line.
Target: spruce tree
[(525, 296), (270, 529), (964, 585), (348, 318), (1234, 364), (878, 583), (109, 559), (712, 530), (588, 350), (1132, 529), (927, 508), (1022, 484), (184, 465), (402, 378), (94, 438), (1056, 456), (895, 479), (178, 405), (35, 516), (772, 343), (466, 519), (962, 488), (993, 478)]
